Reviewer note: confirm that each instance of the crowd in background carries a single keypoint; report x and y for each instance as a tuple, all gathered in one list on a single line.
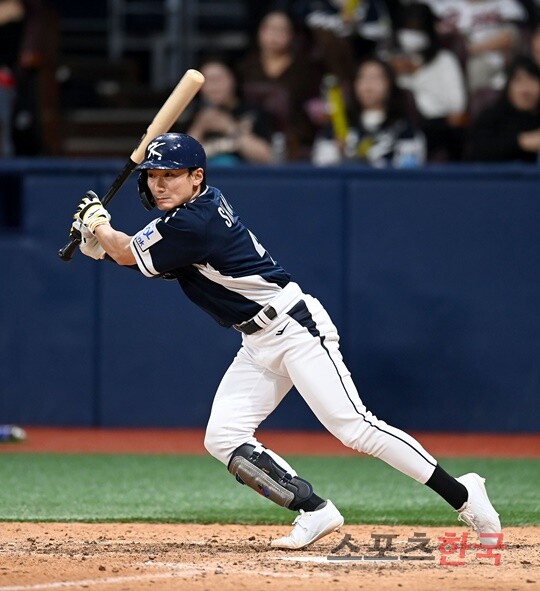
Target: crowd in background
[(383, 83), (380, 82), (22, 40)]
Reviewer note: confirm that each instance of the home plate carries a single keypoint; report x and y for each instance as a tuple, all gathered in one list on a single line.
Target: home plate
[(302, 558), (335, 559)]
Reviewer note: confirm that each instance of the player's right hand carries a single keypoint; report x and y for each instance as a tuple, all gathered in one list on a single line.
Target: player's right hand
[(91, 212), (89, 244)]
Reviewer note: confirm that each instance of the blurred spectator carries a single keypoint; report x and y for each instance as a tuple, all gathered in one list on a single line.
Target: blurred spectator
[(435, 78), (230, 129), (509, 130), (490, 30), (7, 89), (379, 132), (21, 56), (281, 78), (532, 10), (535, 45), (346, 31)]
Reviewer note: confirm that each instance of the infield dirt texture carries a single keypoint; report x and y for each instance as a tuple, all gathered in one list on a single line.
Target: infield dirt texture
[(139, 556)]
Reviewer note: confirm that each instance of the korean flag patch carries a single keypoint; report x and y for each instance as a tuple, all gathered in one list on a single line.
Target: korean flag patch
[(148, 236)]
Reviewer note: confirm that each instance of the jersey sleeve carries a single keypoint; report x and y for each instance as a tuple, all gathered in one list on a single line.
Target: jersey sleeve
[(166, 244)]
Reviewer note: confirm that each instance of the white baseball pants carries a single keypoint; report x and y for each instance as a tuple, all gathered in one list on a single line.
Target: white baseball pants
[(300, 347)]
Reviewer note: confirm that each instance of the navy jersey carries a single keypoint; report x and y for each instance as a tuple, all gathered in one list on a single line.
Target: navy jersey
[(218, 262)]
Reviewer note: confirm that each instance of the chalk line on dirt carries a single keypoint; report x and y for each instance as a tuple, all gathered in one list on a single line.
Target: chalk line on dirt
[(99, 581), (177, 570)]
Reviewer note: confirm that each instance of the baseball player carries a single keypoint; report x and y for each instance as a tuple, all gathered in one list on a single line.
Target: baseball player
[(287, 339)]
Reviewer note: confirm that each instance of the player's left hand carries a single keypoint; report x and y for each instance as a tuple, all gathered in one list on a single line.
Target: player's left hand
[(91, 212), (89, 245)]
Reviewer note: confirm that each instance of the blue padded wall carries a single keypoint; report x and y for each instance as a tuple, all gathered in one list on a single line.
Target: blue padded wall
[(432, 277), (48, 338), (444, 284)]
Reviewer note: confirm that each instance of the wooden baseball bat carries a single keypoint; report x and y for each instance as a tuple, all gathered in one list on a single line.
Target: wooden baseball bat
[(172, 108)]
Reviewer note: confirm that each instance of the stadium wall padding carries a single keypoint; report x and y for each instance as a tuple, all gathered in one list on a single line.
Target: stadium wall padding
[(432, 277)]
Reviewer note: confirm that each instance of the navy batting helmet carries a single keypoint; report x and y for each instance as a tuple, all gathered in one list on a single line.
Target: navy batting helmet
[(168, 151)]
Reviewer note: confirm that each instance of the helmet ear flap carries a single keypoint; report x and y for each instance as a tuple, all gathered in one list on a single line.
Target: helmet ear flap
[(147, 199)]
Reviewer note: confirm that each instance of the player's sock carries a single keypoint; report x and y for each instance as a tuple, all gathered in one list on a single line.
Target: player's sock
[(312, 504), (452, 491)]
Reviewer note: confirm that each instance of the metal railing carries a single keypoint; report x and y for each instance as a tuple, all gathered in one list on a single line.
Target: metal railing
[(172, 49), (181, 36)]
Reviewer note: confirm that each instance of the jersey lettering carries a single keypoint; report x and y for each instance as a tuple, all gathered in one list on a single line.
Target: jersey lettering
[(226, 211), (225, 216)]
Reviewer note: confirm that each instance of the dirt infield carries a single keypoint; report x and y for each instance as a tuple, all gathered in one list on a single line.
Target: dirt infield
[(141, 557), (138, 557), (190, 441)]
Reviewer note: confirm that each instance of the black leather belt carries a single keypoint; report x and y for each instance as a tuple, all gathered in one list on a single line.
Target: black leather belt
[(251, 326)]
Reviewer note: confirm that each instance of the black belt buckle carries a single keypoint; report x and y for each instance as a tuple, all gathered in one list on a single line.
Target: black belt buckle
[(251, 327), (269, 312)]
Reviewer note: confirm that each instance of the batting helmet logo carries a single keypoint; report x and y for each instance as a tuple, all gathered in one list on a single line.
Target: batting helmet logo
[(152, 150)]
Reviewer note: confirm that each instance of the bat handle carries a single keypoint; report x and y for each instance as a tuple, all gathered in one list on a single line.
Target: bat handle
[(67, 251)]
